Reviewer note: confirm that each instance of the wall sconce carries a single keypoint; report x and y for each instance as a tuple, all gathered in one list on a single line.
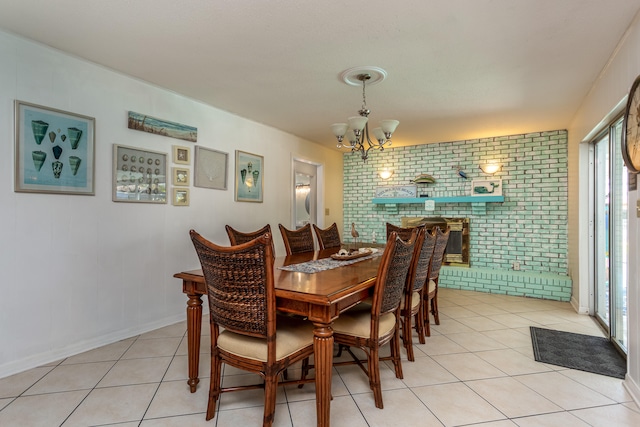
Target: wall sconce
[(385, 174), (490, 168)]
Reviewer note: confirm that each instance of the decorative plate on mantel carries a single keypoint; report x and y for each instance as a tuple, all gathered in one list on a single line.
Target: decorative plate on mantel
[(392, 191), (424, 178)]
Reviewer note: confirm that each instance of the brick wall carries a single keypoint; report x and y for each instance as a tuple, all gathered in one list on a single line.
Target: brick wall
[(529, 228)]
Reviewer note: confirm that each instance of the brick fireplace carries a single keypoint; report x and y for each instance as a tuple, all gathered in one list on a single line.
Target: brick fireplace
[(457, 252)]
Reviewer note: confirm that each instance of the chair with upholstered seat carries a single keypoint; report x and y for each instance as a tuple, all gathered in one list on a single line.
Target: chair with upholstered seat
[(328, 237), (430, 299), (411, 306), (370, 326), (296, 241), (242, 302), (238, 237)]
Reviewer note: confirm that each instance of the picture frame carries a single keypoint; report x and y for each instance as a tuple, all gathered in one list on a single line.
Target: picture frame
[(181, 155), (180, 176), (154, 125), (139, 175), (180, 197), (54, 151), (486, 187), (249, 177), (210, 168)]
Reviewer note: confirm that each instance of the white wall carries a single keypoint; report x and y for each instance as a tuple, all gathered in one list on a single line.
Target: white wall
[(605, 96), (82, 271)]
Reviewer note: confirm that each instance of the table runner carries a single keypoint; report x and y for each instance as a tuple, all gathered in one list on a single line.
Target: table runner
[(325, 264)]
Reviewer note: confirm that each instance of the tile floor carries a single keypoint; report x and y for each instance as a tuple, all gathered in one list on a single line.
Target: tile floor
[(476, 369)]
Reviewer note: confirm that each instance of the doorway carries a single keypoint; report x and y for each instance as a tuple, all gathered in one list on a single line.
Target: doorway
[(610, 234), (305, 193)]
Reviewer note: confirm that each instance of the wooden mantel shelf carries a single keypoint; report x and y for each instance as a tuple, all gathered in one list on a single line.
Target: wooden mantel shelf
[(478, 203)]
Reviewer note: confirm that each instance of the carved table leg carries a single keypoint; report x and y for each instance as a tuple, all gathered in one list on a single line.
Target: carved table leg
[(194, 327), (323, 357)]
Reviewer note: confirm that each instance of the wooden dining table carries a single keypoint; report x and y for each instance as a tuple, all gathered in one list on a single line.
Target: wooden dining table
[(319, 296)]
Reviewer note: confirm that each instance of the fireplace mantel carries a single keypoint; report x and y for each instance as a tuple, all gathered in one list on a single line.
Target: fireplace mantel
[(478, 203)]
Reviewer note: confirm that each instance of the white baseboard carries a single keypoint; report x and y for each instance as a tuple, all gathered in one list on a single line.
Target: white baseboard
[(633, 388), (35, 360)]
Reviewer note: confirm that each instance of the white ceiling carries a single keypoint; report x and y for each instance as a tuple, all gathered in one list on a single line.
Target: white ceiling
[(457, 69)]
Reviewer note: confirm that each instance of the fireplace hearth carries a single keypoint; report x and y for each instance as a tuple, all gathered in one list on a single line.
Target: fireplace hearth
[(457, 252)]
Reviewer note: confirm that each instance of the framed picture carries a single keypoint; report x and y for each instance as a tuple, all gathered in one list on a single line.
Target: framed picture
[(146, 123), (181, 155), (249, 177), (180, 176), (139, 175), (180, 197), (486, 187), (54, 151), (210, 169)]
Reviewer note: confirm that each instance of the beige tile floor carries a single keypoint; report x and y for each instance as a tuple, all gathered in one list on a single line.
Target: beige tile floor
[(477, 369)]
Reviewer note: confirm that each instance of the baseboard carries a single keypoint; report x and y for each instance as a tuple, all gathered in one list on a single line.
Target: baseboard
[(633, 389), (35, 360)]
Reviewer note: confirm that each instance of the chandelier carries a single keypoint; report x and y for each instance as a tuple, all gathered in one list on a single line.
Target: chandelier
[(356, 131)]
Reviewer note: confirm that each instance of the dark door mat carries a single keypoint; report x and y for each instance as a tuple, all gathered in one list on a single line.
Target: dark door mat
[(577, 351)]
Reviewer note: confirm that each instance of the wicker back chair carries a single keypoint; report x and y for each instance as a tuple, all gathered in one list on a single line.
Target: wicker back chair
[(411, 306), (370, 326), (328, 237), (238, 237), (241, 293), (403, 232), (296, 241), (431, 292)]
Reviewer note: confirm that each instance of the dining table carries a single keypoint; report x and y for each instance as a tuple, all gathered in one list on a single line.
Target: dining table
[(310, 284)]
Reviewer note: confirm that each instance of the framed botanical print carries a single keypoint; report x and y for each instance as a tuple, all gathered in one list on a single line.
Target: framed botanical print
[(249, 177)]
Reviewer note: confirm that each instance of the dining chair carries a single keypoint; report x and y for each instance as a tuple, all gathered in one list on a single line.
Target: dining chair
[(403, 232), (242, 302), (430, 299), (328, 237), (296, 241), (411, 306), (237, 237), (370, 326)]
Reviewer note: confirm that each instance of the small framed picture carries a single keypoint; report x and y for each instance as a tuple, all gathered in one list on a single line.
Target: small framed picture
[(180, 197), (180, 176), (486, 187), (181, 155)]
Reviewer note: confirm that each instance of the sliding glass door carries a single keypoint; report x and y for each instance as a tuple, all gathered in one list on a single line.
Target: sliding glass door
[(610, 235)]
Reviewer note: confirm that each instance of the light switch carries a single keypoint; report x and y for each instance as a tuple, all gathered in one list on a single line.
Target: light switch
[(326, 211)]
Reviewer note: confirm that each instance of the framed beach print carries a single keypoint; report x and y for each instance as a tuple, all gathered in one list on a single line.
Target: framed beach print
[(180, 176), (54, 151), (139, 175), (210, 169), (181, 155), (249, 177), (180, 197)]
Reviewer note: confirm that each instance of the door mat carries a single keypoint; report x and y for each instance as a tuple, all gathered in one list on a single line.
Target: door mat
[(577, 351)]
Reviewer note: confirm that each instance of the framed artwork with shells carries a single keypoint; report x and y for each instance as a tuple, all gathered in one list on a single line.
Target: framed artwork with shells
[(249, 177), (54, 151), (139, 176), (210, 168)]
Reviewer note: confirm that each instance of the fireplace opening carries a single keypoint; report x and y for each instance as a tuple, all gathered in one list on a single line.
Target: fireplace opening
[(457, 252)]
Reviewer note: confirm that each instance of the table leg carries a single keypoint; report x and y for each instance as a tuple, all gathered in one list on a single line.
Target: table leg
[(194, 327), (323, 360)]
